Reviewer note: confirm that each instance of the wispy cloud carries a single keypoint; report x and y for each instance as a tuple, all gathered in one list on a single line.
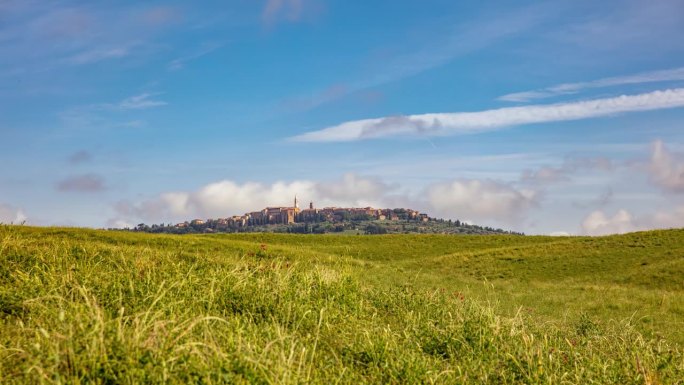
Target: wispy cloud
[(205, 49), (139, 102), (39, 36), (108, 115), (570, 166), (161, 15), (602, 200), (96, 55), (456, 38), (437, 45), (440, 124), (674, 74), (290, 10), (637, 27)]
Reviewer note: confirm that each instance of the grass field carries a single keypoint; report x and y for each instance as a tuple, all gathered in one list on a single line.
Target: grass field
[(86, 306)]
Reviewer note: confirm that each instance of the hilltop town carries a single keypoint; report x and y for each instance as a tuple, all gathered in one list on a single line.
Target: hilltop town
[(354, 220), (290, 215)]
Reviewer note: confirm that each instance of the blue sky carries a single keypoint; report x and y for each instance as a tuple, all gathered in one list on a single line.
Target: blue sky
[(542, 117)]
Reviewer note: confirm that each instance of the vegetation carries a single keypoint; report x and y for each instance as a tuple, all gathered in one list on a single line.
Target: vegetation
[(80, 306)]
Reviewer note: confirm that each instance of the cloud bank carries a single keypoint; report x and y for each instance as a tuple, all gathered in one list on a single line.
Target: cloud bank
[(480, 201), (440, 124)]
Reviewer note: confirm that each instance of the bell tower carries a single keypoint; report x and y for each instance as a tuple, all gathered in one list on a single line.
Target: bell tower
[(296, 204)]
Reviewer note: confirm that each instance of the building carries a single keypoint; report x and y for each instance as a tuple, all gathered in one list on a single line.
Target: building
[(274, 215)]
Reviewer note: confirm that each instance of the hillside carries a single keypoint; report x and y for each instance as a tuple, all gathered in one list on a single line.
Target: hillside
[(120, 307)]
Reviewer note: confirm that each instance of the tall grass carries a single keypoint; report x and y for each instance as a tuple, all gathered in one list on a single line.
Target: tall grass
[(146, 309)]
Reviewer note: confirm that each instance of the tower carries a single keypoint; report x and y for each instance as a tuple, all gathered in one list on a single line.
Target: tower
[(296, 205), (311, 205)]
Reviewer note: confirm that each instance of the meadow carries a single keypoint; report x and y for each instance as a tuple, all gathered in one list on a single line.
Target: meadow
[(92, 306)]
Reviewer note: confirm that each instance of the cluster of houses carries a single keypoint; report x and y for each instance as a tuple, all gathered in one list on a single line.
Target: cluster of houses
[(289, 215)]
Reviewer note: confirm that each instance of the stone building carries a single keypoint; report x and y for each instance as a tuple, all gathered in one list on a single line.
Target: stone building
[(275, 215)]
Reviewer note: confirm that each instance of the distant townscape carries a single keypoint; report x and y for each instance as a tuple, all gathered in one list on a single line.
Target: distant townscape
[(290, 215), (354, 220)]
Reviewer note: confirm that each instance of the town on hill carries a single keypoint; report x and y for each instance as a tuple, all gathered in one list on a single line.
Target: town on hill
[(354, 220)]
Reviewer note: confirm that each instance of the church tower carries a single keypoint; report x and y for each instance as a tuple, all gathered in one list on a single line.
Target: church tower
[(296, 204)]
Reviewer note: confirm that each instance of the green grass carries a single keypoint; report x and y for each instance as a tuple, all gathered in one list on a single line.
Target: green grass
[(85, 306)]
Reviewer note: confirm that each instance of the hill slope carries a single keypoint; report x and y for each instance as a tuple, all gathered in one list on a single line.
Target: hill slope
[(84, 305)]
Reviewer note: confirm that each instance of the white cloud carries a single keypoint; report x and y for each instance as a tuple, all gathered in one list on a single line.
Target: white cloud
[(439, 124), (229, 197), (673, 74), (667, 170), (354, 189), (10, 214), (599, 223), (477, 200), (166, 206), (560, 234)]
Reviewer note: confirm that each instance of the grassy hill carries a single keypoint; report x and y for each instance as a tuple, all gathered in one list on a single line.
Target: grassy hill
[(119, 307)]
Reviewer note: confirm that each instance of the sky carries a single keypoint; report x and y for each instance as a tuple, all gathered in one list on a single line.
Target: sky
[(546, 117)]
